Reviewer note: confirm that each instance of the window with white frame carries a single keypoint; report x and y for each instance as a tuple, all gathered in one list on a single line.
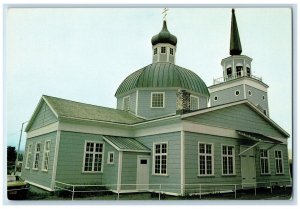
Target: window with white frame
[(46, 155), (37, 155), (110, 158), (28, 156), (194, 102), (157, 99), (93, 157), (155, 51), (228, 160), (163, 50), (264, 162), (205, 159), (126, 101), (171, 51), (160, 158), (278, 162)]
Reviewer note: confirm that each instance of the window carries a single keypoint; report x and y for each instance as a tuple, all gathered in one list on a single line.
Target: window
[(46, 156), (229, 72), (155, 51), (205, 159), (160, 158), (239, 71), (264, 162), (228, 160), (250, 93), (163, 50), (126, 103), (37, 155), (110, 158), (248, 71), (171, 51), (279, 162), (28, 156), (93, 157), (194, 101), (157, 99), (216, 98), (237, 93), (263, 97)]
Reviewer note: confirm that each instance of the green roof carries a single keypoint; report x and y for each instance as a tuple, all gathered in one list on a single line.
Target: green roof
[(235, 43), (126, 144), (163, 74), (164, 36), (71, 109)]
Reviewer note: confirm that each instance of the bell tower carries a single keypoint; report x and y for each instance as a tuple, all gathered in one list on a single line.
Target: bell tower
[(238, 82)]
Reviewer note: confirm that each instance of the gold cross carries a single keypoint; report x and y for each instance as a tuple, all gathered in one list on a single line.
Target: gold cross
[(165, 13)]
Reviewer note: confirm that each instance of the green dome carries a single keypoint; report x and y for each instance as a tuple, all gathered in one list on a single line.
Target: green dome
[(163, 74), (164, 36)]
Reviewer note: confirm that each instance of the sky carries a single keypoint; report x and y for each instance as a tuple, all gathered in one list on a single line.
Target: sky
[(83, 54)]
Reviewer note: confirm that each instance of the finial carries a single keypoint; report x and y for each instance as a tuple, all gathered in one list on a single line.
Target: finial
[(165, 10)]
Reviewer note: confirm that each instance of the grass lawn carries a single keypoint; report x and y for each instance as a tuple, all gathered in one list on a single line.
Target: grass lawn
[(261, 194)]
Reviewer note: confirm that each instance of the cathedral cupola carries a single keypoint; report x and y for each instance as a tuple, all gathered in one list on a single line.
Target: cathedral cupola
[(164, 45)]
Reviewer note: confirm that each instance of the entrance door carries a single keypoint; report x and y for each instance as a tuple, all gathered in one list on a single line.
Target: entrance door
[(248, 168), (142, 176)]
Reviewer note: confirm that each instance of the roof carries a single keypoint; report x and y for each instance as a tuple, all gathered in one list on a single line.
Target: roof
[(163, 74), (71, 109), (126, 144), (235, 43), (164, 36), (259, 137)]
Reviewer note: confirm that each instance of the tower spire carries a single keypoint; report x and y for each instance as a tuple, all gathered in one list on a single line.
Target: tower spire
[(235, 43)]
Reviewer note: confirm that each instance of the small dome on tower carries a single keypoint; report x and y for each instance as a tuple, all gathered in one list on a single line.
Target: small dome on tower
[(164, 36)]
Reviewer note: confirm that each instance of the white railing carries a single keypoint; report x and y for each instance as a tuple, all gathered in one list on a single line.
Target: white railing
[(232, 77), (189, 189)]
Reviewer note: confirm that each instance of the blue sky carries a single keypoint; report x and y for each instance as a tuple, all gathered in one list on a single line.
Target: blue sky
[(83, 54)]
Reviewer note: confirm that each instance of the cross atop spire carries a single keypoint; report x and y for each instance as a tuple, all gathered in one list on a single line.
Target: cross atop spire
[(165, 10), (235, 43)]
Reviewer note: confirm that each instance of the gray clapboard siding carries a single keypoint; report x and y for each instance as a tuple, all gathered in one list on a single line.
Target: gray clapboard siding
[(44, 117), (110, 171), (70, 158), (256, 97), (40, 177), (132, 102), (144, 104), (173, 160), (238, 117), (227, 95)]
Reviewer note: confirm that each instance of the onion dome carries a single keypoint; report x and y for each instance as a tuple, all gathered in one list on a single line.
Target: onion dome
[(235, 43), (164, 36)]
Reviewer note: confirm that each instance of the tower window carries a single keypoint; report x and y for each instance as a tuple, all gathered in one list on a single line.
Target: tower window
[(229, 72), (157, 99), (263, 97), (163, 50), (248, 71), (171, 51), (194, 102), (126, 103), (239, 71), (237, 93), (250, 93), (155, 51), (216, 98)]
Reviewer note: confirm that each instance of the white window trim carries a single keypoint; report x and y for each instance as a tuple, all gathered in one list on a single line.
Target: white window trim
[(268, 158), (163, 93), (233, 160), (216, 98), (236, 92), (249, 93), (282, 164), (84, 154), (212, 160), (123, 108), (166, 48), (44, 155), (170, 49), (29, 153), (34, 158), (153, 159), (197, 98), (108, 158)]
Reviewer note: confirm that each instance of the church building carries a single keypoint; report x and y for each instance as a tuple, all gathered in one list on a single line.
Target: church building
[(168, 133)]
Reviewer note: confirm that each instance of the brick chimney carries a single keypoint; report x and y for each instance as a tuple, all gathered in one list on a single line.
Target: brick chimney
[(183, 102)]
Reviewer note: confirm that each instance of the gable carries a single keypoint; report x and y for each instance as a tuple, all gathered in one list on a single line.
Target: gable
[(42, 117), (238, 117)]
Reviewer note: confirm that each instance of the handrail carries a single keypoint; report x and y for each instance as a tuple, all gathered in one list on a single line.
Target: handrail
[(232, 77)]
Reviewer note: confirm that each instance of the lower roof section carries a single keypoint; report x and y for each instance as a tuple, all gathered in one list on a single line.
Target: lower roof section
[(259, 137)]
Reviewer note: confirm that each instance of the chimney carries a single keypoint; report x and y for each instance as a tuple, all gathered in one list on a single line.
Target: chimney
[(183, 102)]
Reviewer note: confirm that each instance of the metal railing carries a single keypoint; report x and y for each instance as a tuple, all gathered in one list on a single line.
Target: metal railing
[(232, 77), (188, 189)]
